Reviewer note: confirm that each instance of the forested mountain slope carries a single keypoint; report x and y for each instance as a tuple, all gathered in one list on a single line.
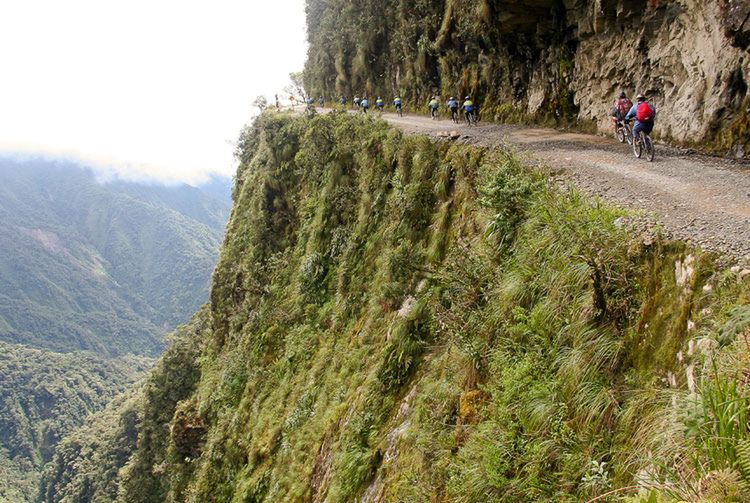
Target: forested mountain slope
[(43, 397), (101, 267), (393, 319), (548, 61)]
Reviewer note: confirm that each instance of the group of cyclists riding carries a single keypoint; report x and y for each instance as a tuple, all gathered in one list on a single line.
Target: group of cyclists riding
[(644, 113), (468, 108)]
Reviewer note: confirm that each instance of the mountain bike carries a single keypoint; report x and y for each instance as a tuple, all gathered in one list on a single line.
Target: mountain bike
[(623, 133), (454, 115), (641, 143), (434, 113), (471, 118), (399, 112)]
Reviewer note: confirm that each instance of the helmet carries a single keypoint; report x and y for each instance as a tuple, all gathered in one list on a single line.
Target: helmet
[(622, 94), (452, 98), (467, 98), (640, 97)]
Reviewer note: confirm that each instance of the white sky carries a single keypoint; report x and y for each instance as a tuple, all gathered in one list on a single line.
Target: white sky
[(150, 88)]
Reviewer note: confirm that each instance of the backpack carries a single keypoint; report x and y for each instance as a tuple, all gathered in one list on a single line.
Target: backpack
[(624, 105), (644, 112)]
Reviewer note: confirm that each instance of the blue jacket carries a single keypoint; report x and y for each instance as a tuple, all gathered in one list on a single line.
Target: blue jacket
[(634, 110), (452, 104)]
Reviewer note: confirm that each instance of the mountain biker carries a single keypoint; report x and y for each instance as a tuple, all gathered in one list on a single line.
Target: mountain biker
[(365, 104), (453, 106), (622, 106), (433, 105), (342, 100), (644, 114), (379, 104), (321, 101), (397, 103), (468, 108), (356, 102)]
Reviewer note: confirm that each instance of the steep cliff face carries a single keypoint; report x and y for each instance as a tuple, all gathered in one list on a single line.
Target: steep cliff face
[(397, 320), (546, 61)]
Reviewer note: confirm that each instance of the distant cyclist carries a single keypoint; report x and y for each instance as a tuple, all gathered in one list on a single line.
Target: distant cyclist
[(433, 105), (379, 104), (365, 104), (356, 102), (321, 101), (644, 114), (468, 108), (397, 104), (453, 107), (342, 100)]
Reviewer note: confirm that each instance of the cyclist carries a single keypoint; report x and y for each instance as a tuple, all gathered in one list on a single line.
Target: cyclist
[(644, 114), (365, 104), (621, 107), (433, 105), (342, 100), (356, 102), (321, 101), (379, 104), (468, 108), (397, 104), (453, 106)]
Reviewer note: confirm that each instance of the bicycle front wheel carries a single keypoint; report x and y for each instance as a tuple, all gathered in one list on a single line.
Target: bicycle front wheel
[(638, 146)]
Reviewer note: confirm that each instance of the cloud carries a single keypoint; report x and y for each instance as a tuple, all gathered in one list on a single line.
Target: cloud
[(146, 90)]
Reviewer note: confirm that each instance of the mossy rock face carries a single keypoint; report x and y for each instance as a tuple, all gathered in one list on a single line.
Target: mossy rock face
[(188, 430)]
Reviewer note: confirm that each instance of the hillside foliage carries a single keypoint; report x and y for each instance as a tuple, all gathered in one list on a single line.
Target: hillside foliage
[(393, 319), (43, 397), (86, 466), (107, 268)]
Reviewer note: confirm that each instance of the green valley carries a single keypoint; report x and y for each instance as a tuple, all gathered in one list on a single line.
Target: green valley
[(92, 277), (102, 267)]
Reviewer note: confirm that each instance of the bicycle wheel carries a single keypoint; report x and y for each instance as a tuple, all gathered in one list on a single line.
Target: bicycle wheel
[(638, 146), (628, 134), (649, 149), (620, 133)]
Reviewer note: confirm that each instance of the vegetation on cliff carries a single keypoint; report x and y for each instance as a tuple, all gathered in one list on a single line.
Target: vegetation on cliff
[(397, 320)]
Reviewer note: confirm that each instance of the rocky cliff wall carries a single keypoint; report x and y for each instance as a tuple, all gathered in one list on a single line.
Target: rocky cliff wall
[(549, 61)]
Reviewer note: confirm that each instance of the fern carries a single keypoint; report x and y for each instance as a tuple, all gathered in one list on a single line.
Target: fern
[(743, 457)]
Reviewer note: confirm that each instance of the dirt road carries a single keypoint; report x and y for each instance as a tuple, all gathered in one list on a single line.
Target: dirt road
[(699, 199)]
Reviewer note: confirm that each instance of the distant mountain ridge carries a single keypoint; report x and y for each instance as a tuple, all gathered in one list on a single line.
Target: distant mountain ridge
[(102, 267)]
